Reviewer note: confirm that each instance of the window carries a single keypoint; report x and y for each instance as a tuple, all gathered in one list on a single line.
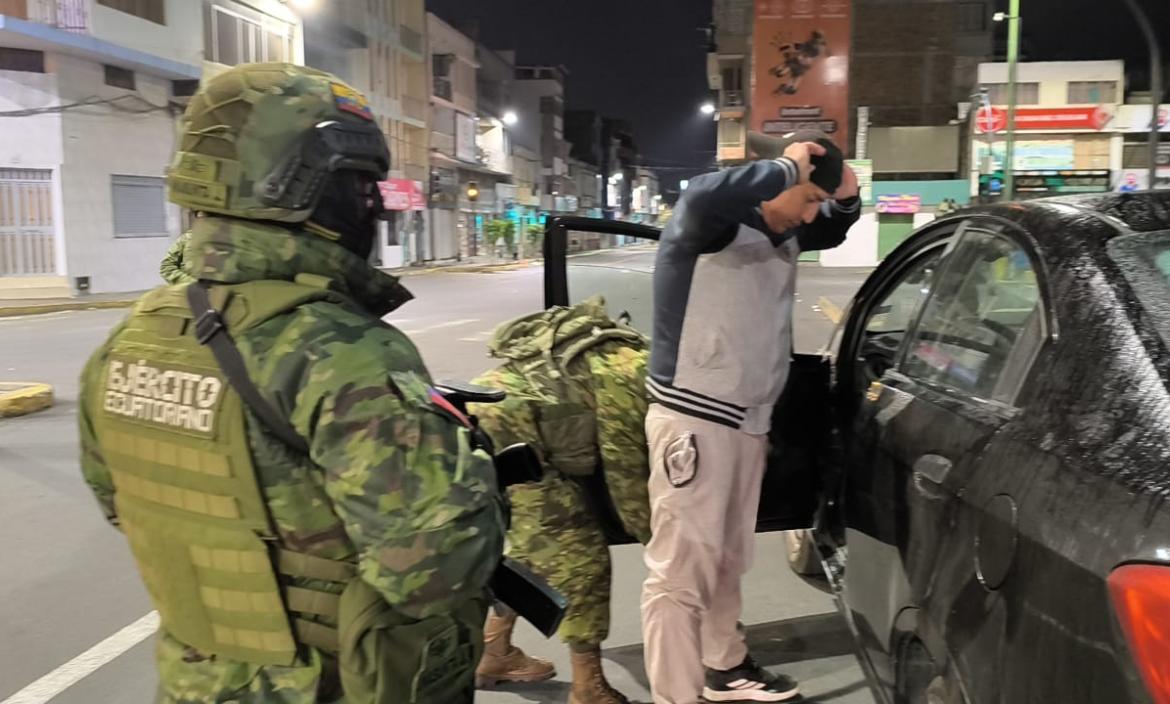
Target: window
[(1092, 92), (1144, 259), (119, 77), (184, 88), (22, 60), (984, 323), (139, 206), (242, 36), (972, 17), (146, 9), (1026, 93)]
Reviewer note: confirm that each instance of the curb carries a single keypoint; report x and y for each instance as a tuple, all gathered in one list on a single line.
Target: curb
[(42, 308), (830, 310), (465, 268), (18, 399)]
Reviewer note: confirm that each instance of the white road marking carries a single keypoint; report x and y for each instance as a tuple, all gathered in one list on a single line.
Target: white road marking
[(436, 326), (85, 664)]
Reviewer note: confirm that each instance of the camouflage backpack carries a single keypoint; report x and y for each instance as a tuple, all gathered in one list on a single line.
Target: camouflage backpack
[(576, 385)]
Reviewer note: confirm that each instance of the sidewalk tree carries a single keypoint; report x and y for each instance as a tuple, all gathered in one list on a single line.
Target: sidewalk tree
[(502, 230)]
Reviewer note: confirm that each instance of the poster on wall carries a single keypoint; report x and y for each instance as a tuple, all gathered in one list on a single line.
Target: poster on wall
[(1032, 154), (800, 67)]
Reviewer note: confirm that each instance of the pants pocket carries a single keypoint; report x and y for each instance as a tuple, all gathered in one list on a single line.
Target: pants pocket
[(387, 658), (681, 460)]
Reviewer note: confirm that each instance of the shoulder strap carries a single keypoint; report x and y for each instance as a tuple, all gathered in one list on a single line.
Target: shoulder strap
[(211, 331)]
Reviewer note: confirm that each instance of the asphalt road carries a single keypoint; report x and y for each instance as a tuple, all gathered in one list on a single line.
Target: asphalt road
[(68, 586)]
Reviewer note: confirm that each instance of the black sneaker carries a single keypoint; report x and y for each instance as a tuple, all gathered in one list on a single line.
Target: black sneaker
[(748, 683)]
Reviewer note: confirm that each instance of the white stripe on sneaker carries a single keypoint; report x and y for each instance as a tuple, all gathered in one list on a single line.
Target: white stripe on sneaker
[(749, 695)]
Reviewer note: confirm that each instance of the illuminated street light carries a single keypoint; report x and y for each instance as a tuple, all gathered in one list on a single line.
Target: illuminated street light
[(510, 118), (707, 108)]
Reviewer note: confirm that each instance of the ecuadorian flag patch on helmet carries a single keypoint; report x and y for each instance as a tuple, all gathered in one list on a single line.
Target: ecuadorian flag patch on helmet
[(349, 100)]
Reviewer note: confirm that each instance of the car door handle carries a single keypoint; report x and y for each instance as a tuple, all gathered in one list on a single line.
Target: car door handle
[(932, 468)]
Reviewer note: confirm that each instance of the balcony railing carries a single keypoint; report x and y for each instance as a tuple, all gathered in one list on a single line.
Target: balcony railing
[(69, 15), (442, 89)]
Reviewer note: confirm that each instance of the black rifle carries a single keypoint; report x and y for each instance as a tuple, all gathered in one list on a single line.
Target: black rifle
[(515, 585), (524, 592)]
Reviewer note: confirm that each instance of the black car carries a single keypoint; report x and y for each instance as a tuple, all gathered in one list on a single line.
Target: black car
[(986, 458)]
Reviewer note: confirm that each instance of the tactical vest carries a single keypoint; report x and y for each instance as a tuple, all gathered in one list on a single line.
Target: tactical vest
[(548, 350), (187, 497)]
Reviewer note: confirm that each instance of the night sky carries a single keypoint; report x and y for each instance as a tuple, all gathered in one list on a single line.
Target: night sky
[(645, 60)]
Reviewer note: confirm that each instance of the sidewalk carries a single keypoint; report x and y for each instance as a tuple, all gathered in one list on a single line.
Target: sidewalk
[(39, 306)]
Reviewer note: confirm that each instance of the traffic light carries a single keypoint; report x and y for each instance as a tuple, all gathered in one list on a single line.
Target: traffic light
[(473, 191)]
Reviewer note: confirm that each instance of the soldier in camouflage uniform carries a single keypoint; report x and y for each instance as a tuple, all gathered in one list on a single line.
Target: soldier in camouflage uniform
[(353, 568), (171, 268), (555, 530)]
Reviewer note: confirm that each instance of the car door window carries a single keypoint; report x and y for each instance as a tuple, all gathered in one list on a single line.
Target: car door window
[(983, 324), (889, 320), (618, 267)]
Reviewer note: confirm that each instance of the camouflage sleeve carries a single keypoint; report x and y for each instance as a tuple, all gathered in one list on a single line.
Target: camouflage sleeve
[(421, 508), (93, 464), (619, 382), (171, 268)]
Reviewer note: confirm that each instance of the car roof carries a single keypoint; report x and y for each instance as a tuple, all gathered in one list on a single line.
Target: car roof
[(1050, 220)]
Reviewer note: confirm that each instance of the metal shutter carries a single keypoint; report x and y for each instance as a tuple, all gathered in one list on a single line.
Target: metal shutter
[(139, 206)]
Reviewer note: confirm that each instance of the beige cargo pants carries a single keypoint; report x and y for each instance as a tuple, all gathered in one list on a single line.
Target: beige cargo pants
[(704, 494)]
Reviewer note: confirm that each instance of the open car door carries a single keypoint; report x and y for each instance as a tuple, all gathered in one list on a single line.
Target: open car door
[(585, 257)]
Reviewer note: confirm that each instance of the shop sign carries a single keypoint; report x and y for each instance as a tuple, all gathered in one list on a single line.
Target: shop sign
[(402, 194), (863, 168), (1045, 119), (906, 204), (1136, 118)]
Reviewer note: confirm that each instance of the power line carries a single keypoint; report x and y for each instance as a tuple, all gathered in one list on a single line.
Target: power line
[(92, 101)]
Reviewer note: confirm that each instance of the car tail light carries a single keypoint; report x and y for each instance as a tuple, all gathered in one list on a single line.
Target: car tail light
[(1141, 597)]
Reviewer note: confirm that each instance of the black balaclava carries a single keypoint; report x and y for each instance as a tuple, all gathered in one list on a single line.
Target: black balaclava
[(829, 168), (351, 205)]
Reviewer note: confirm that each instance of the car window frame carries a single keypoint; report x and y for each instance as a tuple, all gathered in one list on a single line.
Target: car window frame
[(1019, 365), (556, 249)]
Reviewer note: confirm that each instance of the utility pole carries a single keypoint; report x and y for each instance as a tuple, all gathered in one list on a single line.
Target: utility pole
[(1155, 84), (1009, 179)]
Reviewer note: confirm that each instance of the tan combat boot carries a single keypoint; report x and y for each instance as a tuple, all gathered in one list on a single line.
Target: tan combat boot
[(589, 684), (504, 662)]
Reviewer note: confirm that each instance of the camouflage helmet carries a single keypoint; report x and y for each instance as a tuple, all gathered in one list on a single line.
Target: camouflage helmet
[(259, 141)]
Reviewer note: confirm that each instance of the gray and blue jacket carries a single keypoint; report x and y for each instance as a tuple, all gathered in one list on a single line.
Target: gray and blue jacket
[(723, 295)]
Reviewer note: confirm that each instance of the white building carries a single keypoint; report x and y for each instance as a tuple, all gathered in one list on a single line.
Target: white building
[(1068, 134), (90, 91)]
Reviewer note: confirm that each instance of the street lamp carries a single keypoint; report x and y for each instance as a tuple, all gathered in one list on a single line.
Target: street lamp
[(510, 117), (707, 108), (1009, 145)]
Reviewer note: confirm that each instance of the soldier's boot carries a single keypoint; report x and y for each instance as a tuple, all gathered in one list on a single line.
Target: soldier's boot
[(589, 683), (504, 662)]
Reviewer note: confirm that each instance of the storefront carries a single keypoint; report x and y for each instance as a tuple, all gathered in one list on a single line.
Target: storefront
[(1058, 150), (401, 237)]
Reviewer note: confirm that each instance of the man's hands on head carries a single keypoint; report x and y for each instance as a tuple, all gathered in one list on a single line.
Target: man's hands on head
[(802, 153)]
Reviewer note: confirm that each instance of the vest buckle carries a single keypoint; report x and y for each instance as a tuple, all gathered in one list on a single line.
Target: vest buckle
[(208, 326)]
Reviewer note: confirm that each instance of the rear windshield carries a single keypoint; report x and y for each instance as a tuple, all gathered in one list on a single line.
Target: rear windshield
[(1145, 260)]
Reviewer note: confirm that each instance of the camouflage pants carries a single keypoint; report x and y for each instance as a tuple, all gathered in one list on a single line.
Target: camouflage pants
[(556, 535)]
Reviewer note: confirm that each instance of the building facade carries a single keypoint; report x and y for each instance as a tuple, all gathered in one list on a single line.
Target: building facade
[(83, 203), (380, 49), (1070, 130)]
